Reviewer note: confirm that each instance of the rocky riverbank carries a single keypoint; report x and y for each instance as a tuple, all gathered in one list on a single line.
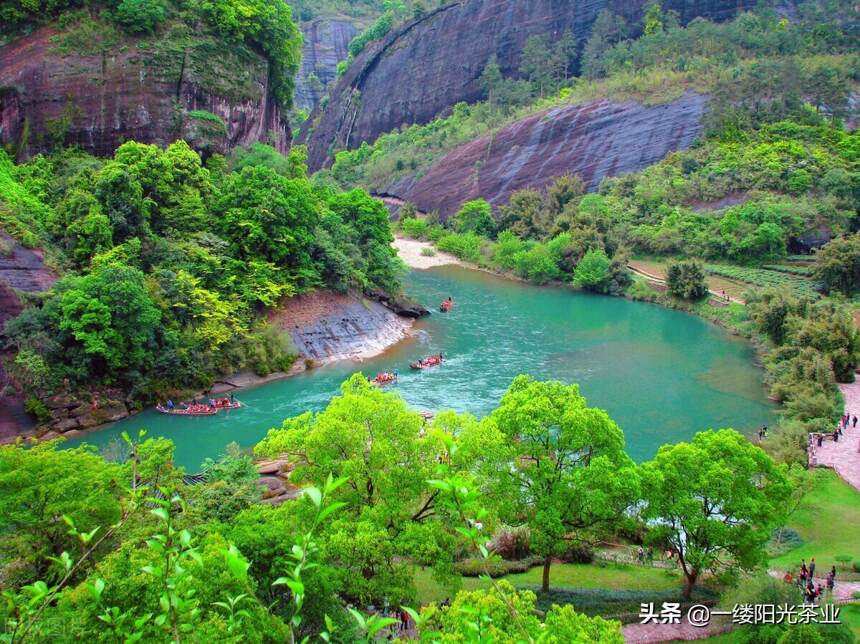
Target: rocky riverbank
[(324, 327)]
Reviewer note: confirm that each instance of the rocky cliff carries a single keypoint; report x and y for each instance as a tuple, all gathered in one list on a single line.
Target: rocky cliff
[(592, 140), (424, 67), (326, 43), (65, 87), (20, 270)]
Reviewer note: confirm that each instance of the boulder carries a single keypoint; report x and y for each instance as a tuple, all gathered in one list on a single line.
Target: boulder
[(80, 410), (65, 425), (61, 401), (400, 304)]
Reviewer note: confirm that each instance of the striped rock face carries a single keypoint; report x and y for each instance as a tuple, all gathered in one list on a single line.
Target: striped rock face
[(422, 69)]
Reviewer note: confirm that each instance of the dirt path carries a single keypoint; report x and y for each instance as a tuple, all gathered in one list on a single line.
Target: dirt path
[(654, 633), (843, 456), (656, 278)]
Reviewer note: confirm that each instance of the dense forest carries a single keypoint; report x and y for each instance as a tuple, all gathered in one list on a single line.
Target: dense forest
[(168, 263)]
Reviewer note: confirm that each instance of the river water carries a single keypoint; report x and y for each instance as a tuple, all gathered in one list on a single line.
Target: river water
[(661, 374)]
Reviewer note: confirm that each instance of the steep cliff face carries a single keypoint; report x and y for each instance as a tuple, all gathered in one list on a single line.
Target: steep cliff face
[(428, 65), (23, 270), (54, 87), (592, 140), (326, 43)]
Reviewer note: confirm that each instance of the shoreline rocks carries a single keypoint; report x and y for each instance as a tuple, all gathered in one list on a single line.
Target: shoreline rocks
[(275, 478)]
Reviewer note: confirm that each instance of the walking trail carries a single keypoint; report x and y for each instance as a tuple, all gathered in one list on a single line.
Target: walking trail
[(719, 297), (843, 455)]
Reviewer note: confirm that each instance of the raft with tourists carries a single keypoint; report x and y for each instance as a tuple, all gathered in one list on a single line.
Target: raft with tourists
[(429, 361), (384, 378), (198, 409)]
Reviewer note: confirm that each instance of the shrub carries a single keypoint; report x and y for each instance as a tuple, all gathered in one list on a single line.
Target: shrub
[(415, 228), (37, 409), (140, 16), (837, 265), (686, 280), (592, 272), (506, 249), (511, 542), (608, 603), (465, 246), (536, 264), (475, 217), (578, 552), (427, 251), (495, 566), (783, 540), (7, 247)]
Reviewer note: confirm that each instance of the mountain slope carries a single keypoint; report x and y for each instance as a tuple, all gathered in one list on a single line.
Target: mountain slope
[(593, 140), (431, 63)]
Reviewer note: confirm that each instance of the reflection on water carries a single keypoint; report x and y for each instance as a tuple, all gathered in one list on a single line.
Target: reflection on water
[(661, 374)]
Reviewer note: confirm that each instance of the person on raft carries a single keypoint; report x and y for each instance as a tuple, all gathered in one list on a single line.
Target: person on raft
[(170, 405)]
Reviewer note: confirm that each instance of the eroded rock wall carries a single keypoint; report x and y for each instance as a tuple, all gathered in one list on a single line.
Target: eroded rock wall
[(594, 140), (145, 90), (326, 44), (423, 68)]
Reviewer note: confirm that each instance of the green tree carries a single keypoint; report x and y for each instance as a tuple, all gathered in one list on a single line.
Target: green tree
[(491, 80), (771, 308), (837, 265), (608, 30), (475, 217), (592, 271), (653, 19), (687, 280), (109, 319), (40, 485), (565, 468), (536, 63), (140, 16), (266, 216), (715, 501), (369, 228), (372, 437)]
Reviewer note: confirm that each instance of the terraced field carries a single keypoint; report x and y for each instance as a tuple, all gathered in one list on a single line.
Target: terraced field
[(763, 277)]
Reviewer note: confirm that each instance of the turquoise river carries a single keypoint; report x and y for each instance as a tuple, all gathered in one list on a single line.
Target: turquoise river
[(661, 374)]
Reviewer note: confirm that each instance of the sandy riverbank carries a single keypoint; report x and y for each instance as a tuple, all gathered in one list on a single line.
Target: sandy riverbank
[(409, 251)]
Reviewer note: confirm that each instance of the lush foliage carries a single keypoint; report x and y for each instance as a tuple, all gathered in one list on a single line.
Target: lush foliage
[(568, 473), (171, 264), (716, 500), (686, 280), (128, 550), (837, 265)]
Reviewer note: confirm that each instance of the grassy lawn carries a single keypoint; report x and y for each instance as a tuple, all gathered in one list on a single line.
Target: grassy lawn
[(609, 576), (827, 521)]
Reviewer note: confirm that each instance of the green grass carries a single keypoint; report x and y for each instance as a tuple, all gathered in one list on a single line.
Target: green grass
[(608, 576), (763, 278), (850, 616), (827, 521)]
